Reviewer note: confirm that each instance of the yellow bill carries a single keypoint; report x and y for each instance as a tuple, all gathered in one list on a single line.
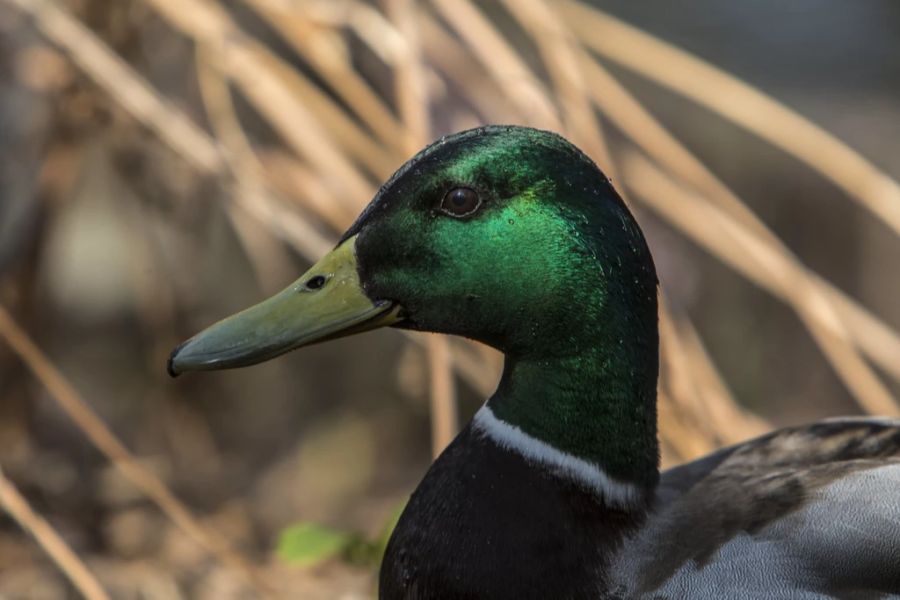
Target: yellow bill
[(326, 302)]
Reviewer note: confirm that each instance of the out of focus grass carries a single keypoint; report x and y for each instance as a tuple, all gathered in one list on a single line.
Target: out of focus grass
[(166, 162)]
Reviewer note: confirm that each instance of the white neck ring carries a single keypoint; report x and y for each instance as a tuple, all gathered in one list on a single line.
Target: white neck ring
[(615, 493)]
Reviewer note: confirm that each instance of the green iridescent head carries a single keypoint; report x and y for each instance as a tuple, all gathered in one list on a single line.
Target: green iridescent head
[(510, 236), (507, 235)]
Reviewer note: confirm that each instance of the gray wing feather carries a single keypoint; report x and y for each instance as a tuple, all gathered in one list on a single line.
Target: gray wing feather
[(807, 512)]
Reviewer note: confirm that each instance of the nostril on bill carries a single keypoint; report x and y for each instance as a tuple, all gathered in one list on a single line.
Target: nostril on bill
[(316, 282)]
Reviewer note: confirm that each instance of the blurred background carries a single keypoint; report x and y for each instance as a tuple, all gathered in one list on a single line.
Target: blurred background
[(164, 163)]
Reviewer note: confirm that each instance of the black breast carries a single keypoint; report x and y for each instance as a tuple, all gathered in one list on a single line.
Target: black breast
[(484, 523)]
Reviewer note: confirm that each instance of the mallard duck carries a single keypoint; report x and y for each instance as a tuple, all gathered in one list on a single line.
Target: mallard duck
[(513, 237)]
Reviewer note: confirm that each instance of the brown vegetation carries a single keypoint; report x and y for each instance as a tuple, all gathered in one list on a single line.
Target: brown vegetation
[(234, 146)]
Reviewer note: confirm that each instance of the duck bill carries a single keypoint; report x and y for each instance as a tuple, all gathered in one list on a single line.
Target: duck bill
[(325, 303)]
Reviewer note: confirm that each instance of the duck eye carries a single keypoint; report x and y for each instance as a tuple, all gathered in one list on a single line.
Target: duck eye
[(460, 202)]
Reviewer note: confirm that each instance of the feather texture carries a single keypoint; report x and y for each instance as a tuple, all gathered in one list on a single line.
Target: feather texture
[(809, 511)]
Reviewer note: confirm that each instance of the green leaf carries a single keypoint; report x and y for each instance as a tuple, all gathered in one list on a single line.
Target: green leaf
[(308, 544)]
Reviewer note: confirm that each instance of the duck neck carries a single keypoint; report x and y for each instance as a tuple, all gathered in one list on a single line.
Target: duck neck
[(589, 417)]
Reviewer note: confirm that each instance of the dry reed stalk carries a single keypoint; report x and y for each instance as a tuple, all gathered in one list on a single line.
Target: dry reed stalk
[(413, 104), (635, 121), (562, 56), (685, 376), (875, 338), (233, 142), (444, 52), (678, 379), (442, 393), (677, 434), (140, 100), (731, 422), (297, 181), (270, 264), (293, 174), (867, 388), (56, 548), (410, 91), (660, 144), (631, 116), (283, 222), (449, 57), (110, 71), (325, 52), (500, 60), (68, 399), (154, 295), (692, 379), (650, 135), (359, 144), (252, 194), (668, 456), (360, 17), (880, 342), (209, 25), (445, 55), (739, 102), (485, 364), (349, 136), (781, 274), (481, 372)]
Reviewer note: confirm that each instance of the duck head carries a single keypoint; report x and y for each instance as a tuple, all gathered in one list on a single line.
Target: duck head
[(507, 235)]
